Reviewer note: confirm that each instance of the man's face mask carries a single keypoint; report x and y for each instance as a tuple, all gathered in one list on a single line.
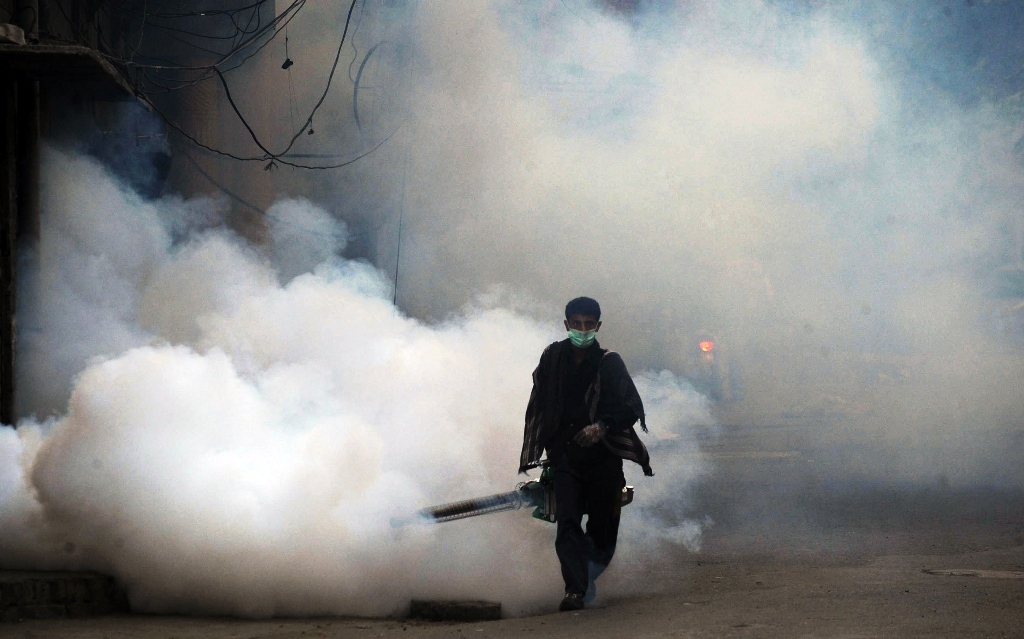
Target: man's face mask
[(582, 329), (581, 339)]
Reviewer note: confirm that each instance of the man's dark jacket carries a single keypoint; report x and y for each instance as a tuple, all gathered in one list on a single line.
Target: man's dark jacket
[(611, 396)]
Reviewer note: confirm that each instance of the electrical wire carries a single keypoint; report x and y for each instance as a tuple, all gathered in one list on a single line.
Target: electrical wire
[(319, 103), (142, 30), (293, 106), (355, 85), (355, 51), (206, 69), (272, 27), (249, 205), (213, 70)]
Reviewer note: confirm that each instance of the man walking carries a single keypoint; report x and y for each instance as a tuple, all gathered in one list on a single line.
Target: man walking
[(581, 412)]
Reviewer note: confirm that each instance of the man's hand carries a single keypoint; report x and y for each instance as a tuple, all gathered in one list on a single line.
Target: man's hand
[(590, 435)]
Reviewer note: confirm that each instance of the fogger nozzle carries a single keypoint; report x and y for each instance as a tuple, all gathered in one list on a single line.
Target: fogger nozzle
[(538, 494), (513, 500)]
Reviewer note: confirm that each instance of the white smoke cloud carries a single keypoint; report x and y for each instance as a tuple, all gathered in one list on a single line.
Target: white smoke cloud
[(303, 236), (247, 449), (78, 296), (775, 179), (680, 419), (769, 178)]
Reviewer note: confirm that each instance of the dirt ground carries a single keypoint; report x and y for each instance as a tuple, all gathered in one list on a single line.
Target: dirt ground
[(791, 554)]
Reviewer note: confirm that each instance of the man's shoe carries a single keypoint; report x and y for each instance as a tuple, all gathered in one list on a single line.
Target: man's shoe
[(572, 601)]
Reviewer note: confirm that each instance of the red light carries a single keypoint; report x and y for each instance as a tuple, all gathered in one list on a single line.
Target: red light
[(705, 345)]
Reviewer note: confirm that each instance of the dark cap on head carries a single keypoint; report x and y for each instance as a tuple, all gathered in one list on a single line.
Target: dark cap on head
[(583, 306)]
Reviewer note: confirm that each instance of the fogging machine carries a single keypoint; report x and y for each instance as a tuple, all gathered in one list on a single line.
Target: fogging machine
[(538, 494)]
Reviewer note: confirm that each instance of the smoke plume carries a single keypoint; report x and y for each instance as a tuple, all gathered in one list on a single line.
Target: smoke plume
[(809, 187), (244, 425), (230, 428)]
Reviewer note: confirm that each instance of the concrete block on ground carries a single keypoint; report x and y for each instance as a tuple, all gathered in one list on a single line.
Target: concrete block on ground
[(455, 610)]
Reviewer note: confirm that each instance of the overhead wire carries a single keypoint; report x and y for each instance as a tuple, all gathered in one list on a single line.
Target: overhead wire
[(272, 27), (148, 71), (293, 106), (142, 30), (208, 74), (352, 41), (323, 96), (355, 85), (249, 205)]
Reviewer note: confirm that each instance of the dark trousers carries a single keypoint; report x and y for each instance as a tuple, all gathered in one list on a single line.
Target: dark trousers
[(597, 492)]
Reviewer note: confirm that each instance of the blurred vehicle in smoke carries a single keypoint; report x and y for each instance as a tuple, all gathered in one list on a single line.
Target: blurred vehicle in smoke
[(735, 299), (707, 367)]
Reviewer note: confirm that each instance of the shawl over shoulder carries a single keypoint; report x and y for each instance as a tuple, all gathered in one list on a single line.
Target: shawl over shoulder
[(544, 411)]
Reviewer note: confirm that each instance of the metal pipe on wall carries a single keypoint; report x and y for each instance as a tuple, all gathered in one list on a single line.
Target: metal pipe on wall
[(19, 198), (8, 248)]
